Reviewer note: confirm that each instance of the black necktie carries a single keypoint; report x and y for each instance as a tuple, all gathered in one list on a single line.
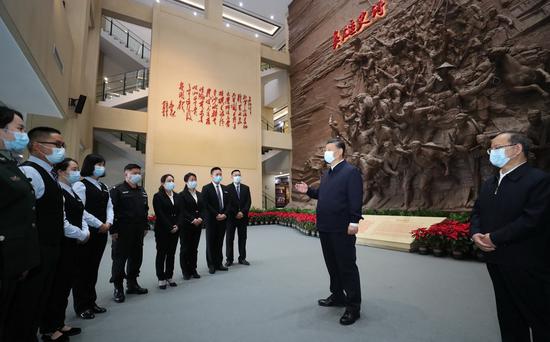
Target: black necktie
[(220, 201), (54, 174), (238, 191)]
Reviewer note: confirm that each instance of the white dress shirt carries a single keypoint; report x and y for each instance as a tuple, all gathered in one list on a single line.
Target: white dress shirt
[(502, 175), (71, 231), (36, 179), (80, 190), (194, 194)]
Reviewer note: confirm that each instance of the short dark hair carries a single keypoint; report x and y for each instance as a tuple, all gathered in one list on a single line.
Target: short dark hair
[(63, 165), (132, 166), (189, 175), (88, 165), (232, 172), (7, 115), (339, 144), (521, 139), (216, 168), (39, 133)]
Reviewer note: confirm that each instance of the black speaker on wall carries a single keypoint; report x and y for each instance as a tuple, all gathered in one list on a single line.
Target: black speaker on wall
[(78, 104)]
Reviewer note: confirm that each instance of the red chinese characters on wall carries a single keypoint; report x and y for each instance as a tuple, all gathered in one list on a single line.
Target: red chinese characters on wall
[(209, 107), (354, 27)]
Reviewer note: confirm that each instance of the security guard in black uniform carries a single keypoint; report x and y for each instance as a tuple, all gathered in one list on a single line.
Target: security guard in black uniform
[(129, 228), (19, 250)]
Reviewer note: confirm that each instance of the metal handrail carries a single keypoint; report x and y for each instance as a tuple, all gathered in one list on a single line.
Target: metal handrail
[(132, 41), (121, 84), (267, 200), (136, 140)]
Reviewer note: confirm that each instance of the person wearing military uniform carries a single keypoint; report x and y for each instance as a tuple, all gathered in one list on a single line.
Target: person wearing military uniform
[(19, 250), (129, 228), (46, 148)]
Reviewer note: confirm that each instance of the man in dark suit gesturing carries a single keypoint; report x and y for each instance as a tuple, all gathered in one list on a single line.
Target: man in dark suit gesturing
[(217, 203), (238, 219), (340, 198), (510, 222)]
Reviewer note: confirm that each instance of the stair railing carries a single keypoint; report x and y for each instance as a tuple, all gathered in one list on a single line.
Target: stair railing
[(122, 84), (131, 40)]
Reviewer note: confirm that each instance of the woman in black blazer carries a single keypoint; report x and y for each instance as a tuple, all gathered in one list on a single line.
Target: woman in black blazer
[(191, 223), (167, 209)]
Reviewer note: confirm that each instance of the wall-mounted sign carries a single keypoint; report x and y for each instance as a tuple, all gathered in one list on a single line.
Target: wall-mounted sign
[(210, 107), (354, 27)]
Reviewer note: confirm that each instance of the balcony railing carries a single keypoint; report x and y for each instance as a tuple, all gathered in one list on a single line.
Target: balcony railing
[(131, 40), (281, 127), (122, 84)]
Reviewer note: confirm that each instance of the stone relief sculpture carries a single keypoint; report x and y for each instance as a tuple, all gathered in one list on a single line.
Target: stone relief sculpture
[(420, 94)]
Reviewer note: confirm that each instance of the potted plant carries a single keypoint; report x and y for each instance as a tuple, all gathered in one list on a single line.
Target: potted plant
[(420, 236), (151, 219)]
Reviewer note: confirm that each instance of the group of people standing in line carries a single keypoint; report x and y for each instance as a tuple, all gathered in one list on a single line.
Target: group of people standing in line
[(57, 218)]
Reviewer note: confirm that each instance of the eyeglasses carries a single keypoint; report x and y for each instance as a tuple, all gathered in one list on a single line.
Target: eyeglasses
[(498, 148), (56, 144)]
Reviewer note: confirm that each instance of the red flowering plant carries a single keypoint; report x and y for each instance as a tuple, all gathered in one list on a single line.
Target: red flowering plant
[(449, 234), (151, 219)]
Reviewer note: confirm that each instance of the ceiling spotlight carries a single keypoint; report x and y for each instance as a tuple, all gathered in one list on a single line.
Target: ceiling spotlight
[(158, 1), (227, 25), (106, 79), (195, 14), (241, 4), (271, 17), (256, 35)]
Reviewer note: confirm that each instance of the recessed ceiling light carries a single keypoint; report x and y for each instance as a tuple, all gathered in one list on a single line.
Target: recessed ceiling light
[(256, 35), (227, 25), (195, 14), (158, 1), (241, 4), (271, 17), (106, 79)]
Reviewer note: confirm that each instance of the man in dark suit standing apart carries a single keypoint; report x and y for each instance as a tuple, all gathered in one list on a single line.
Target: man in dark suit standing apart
[(340, 198), (241, 202), (217, 203), (510, 222)]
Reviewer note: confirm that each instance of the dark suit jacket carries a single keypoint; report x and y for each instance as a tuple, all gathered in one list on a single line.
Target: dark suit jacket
[(340, 198), (168, 214), (517, 214), (211, 201), (190, 209), (240, 203)]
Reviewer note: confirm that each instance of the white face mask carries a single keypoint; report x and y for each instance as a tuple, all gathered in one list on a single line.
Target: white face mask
[(329, 157)]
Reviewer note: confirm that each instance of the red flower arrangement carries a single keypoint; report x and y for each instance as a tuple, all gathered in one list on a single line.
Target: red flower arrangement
[(305, 221), (447, 235)]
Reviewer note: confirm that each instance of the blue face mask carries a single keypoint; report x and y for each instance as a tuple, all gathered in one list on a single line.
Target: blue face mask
[(135, 179), (74, 176), (192, 184), (498, 157), (169, 186), (329, 157), (217, 179), (57, 155), (237, 179), (99, 171), (20, 141)]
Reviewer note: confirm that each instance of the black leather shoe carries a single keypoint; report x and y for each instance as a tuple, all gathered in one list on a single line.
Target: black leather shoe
[(349, 317), (196, 275), (229, 264), (222, 268), (71, 332), (171, 283), (118, 295), (132, 287), (244, 262), (88, 314), (186, 276), (331, 301), (211, 270), (98, 309), (62, 338)]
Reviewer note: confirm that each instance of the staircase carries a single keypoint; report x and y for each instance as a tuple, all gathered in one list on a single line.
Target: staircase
[(127, 90), (118, 38), (127, 144)]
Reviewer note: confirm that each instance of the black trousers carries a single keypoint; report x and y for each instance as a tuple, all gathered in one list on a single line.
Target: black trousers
[(340, 259), (523, 302), (8, 287), (166, 253), (215, 233), (32, 296), (127, 252), (241, 227), (53, 317), (190, 236), (89, 258)]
